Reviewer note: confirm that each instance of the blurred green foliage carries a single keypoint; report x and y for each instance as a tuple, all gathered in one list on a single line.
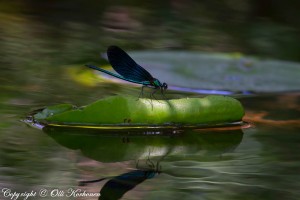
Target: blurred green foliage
[(76, 31)]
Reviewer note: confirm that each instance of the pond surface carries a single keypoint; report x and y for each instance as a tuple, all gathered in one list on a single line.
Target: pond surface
[(256, 162)]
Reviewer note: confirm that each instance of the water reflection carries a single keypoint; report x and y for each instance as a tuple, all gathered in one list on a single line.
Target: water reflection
[(117, 186), (119, 146), (261, 111), (152, 154)]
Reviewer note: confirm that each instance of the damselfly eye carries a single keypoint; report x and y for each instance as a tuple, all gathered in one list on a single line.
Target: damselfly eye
[(165, 86)]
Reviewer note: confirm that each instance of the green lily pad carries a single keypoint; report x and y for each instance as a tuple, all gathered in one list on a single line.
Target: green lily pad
[(234, 72), (52, 110), (130, 111), (217, 71)]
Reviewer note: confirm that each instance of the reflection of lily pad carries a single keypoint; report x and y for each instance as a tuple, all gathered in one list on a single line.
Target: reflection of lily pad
[(120, 110), (113, 146)]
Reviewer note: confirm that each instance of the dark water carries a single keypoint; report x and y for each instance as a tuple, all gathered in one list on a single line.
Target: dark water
[(260, 162), (42, 57)]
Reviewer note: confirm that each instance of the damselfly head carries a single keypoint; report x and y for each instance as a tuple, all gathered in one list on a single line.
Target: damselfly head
[(164, 86)]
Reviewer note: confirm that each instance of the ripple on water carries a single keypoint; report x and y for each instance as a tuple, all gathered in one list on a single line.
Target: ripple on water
[(188, 169)]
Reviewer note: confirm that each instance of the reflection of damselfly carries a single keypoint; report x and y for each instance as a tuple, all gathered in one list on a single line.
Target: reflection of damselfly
[(117, 186), (130, 71), (152, 169), (140, 174)]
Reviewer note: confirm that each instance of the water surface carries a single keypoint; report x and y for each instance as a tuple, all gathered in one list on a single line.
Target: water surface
[(259, 162)]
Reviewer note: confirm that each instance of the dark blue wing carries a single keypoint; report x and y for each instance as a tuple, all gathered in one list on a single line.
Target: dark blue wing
[(117, 75), (126, 66)]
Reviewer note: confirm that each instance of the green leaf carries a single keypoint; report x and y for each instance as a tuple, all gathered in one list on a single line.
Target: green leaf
[(52, 110), (234, 72), (125, 110)]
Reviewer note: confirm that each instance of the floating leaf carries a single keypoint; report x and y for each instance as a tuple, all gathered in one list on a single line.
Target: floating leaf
[(125, 110)]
